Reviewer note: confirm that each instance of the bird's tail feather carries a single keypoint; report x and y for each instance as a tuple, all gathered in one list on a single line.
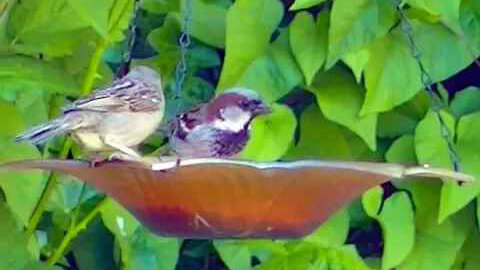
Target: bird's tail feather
[(41, 133)]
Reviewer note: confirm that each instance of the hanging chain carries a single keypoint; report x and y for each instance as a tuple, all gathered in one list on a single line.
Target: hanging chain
[(436, 101), (181, 69), (130, 41)]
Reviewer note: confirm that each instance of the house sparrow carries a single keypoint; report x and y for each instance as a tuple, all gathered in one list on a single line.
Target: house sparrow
[(218, 129), (117, 117)]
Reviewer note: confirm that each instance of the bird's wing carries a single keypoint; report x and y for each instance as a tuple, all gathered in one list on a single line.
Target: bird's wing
[(125, 94)]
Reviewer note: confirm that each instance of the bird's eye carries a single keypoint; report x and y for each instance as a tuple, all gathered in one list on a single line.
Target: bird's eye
[(244, 104)]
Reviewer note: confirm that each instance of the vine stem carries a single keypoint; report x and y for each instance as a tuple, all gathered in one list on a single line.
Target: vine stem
[(52, 181), (73, 231)]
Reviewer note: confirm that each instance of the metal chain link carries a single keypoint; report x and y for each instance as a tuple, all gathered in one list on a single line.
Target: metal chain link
[(181, 68), (436, 101), (130, 41), (132, 30)]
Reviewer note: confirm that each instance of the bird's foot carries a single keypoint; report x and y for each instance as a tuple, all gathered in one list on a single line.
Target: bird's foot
[(146, 161)]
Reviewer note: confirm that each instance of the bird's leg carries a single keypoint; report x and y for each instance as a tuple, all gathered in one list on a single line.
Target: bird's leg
[(95, 159), (123, 149)]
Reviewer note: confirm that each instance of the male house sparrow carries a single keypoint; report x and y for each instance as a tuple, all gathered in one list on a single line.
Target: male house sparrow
[(117, 117), (217, 129)]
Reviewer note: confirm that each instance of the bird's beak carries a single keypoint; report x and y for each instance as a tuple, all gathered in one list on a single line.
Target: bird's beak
[(263, 109)]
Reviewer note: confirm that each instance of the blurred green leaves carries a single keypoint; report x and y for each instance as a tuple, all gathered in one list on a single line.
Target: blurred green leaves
[(14, 243)]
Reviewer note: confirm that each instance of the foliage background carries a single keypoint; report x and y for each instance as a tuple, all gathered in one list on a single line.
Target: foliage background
[(345, 87)]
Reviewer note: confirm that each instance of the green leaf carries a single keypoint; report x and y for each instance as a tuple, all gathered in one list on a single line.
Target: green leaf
[(93, 248), (309, 42), (387, 17), (32, 105), (404, 118), (236, 255), (11, 120), (398, 228), (322, 139), (319, 138), (345, 257), (148, 251), (402, 150), (448, 12), (333, 232), (352, 26), (22, 188), (469, 250), (436, 246), (431, 148), (455, 197), (271, 135), (119, 19), (340, 99), (164, 39), (50, 27), (20, 72), (250, 25), (465, 102), (425, 194), (372, 201), (32, 18), (302, 4), (298, 257), (95, 13), (14, 245), (443, 61), (470, 22), (275, 73), (387, 85), (208, 22), (357, 61), (161, 6), (118, 220)]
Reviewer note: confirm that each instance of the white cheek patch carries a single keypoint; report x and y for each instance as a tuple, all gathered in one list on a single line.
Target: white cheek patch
[(234, 119)]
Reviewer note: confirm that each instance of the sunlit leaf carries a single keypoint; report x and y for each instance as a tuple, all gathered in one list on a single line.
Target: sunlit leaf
[(387, 84), (271, 135), (333, 232), (336, 89), (308, 39), (119, 19), (449, 12), (352, 26), (301, 4), (250, 25), (208, 22), (398, 228), (273, 74), (95, 13), (372, 201), (436, 246)]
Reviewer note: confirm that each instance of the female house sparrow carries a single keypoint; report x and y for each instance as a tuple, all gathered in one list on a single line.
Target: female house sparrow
[(117, 117), (217, 129)]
